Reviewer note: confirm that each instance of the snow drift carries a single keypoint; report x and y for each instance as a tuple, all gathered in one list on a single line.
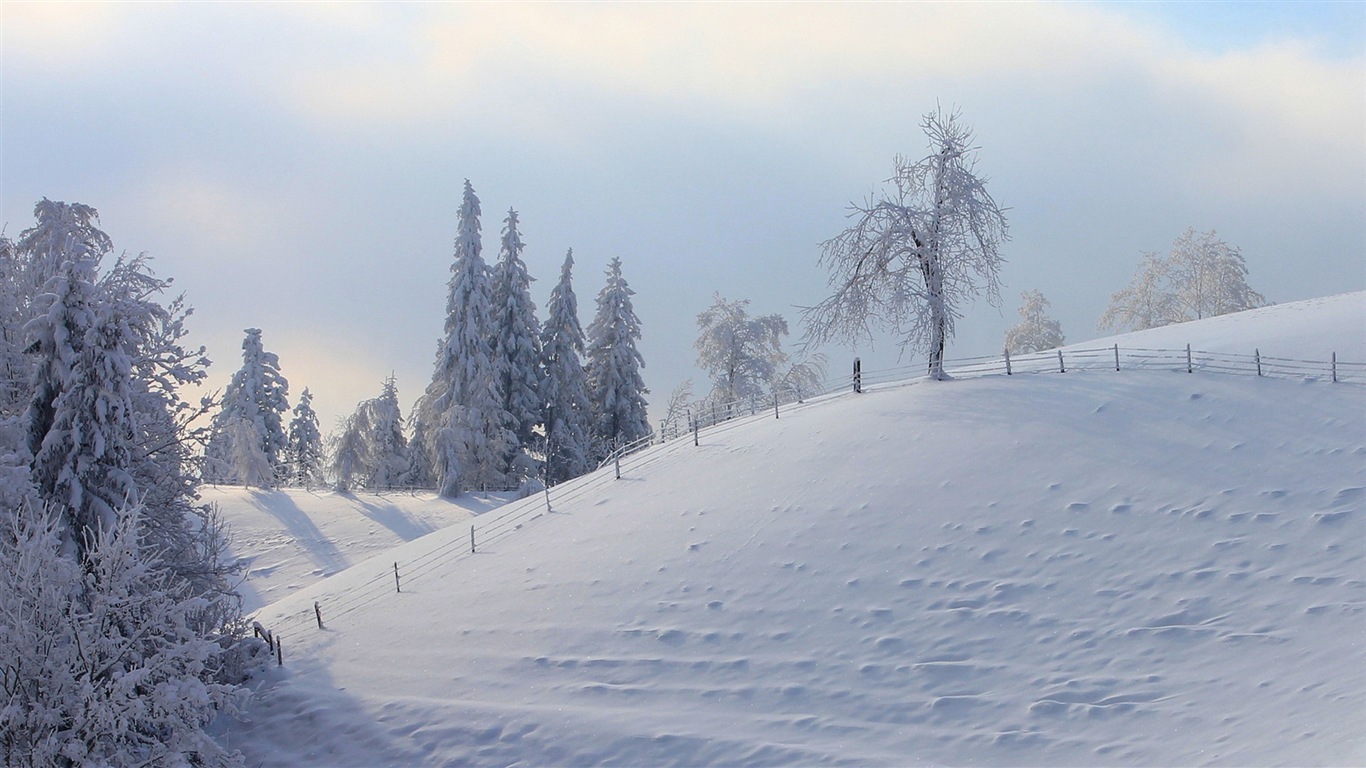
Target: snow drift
[(1137, 567)]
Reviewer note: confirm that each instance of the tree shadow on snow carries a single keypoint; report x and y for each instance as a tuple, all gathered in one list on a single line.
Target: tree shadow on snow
[(309, 537)]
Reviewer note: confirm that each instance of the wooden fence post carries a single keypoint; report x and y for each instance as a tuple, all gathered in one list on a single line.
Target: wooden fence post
[(1061, 368), (279, 651), (694, 432), (397, 586), (318, 612), (1116, 357), (1335, 367), (616, 460), (471, 539), (858, 375), (1257, 353), (1189, 368), (775, 403), (1007, 351)]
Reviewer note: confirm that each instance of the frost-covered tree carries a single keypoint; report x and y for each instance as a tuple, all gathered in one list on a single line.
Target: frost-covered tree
[(616, 389), (1209, 276), (469, 439), (676, 410), (81, 423), (1202, 276), (805, 375), (105, 661), (304, 444), (914, 256), (1036, 330), (564, 388), (1146, 302), (247, 443), (372, 451), (107, 652), (517, 348), (742, 354)]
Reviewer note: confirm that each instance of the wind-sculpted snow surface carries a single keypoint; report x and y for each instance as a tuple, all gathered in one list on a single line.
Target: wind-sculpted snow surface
[(1135, 568)]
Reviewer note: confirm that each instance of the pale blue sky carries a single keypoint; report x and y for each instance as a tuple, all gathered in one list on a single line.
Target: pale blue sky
[(298, 167)]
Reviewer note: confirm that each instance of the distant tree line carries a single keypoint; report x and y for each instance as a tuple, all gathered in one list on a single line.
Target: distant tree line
[(512, 402)]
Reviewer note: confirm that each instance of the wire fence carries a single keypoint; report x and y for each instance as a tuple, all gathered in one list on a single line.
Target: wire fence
[(712, 417)]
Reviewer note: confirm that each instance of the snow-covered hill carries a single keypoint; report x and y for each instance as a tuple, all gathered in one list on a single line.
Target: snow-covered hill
[(288, 539), (1137, 567)]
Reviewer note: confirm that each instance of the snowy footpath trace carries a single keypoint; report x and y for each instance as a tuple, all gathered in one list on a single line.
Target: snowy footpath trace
[(1137, 567)]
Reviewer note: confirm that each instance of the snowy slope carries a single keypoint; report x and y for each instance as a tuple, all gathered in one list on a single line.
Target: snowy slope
[(290, 538), (1099, 568)]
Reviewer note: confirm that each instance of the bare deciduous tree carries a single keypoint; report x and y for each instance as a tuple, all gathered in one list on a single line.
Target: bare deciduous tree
[(914, 256)]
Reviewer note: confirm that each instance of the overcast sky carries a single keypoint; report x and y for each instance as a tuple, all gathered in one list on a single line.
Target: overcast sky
[(297, 167)]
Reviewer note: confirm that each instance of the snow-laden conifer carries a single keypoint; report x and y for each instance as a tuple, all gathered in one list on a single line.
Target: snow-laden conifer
[(304, 450), (517, 348), (1036, 330), (81, 423), (372, 451), (468, 435), (247, 444), (616, 388), (568, 418)]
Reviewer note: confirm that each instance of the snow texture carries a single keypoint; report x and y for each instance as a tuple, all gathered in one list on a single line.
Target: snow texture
[(1120, 568)]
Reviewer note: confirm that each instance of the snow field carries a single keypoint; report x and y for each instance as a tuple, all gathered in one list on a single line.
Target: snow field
[(289, 538), (1097, 568)]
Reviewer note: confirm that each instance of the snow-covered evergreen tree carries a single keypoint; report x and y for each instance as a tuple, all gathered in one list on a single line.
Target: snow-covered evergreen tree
[(616, 388), (372, 451), (742, 354), (247, 444), (135, 612), (1036, 330), (569, 415), (517, 349), (469, 435), (304, 450), (81, 424)]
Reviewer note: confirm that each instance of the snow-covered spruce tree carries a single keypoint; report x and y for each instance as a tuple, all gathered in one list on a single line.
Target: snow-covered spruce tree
[(105, 427), (180, 536), (517, 349), (915, 255), (568, 419), (105, 661), (467, 433), (742, 354), (81, 426), (14, 366), (1036, 330), (247, 442), (615, 387), (304, 444), (372, 451)]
